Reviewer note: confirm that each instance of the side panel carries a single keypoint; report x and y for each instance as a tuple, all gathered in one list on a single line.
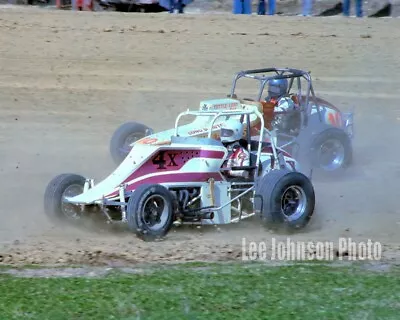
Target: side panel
[(220, 198), (329, 115), (173, 166), (183, 164), (332, 116), (135, 159)]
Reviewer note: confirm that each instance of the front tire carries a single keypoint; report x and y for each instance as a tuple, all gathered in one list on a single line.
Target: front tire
[(126, 134), (285, 199), (64, 185), (150, 212)]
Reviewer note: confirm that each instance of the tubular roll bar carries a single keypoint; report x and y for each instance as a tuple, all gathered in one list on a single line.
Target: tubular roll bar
[(280, 73), (218, 114)]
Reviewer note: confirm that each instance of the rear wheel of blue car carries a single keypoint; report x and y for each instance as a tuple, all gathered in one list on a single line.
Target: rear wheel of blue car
[(125, 135), (150, 212), (331, 151), (285, 200), (63, 185)]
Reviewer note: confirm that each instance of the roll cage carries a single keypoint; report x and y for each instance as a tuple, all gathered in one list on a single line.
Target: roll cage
[(294, 76), (245, 114), (240, 187)]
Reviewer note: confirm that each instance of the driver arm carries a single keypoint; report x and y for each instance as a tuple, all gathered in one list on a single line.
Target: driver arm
[(241, 158)]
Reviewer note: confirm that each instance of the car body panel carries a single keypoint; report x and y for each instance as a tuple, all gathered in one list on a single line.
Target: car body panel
[(145, 164)]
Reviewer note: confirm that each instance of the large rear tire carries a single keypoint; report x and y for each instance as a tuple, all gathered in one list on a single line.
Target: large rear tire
[(126, 134), (63, 185), (150, 212), (331, 151), (285, 200)]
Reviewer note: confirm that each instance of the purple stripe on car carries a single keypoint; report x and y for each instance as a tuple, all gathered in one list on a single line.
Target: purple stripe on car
[(171, 160), (173, 177)]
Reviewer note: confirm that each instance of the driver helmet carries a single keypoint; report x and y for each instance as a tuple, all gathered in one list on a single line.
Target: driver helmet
[(277, 88), (231, 130)]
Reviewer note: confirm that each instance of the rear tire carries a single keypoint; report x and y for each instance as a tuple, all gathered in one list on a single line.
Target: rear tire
[(126, 134), (150, 212), (331, 151), (285, 199), (63, 185)]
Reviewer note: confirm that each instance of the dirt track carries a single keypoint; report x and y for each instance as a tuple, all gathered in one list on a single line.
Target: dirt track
[(67, 80)]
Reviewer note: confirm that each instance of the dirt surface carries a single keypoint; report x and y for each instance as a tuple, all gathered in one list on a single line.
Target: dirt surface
[(68, 80)]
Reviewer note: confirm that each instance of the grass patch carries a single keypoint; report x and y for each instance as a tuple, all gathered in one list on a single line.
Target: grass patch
[(201, 291)]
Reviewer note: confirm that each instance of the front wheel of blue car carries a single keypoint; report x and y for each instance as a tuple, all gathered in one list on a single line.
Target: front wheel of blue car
[(150, 212)]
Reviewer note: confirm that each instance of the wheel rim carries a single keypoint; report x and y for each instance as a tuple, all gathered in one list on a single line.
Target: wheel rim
[(129, 140), (70, 210), (293, 202), (331, 155), (155, 212)]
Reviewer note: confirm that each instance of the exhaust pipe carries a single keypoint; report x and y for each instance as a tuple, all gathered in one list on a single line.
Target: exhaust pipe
[(208, 215)]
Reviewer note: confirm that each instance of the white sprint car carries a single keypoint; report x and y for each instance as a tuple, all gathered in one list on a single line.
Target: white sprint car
[(174, 178)]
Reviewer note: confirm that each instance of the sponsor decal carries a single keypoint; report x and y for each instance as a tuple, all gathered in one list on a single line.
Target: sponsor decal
[(164, 159), (220, 106), (147, 141), (333, 118), (203, 130), (229, 106), (330, 115)]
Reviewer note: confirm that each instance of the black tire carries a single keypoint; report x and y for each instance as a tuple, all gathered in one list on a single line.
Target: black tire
[(56, 189), (339, 154), (136, 214), (270, 193), (127, 133)]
